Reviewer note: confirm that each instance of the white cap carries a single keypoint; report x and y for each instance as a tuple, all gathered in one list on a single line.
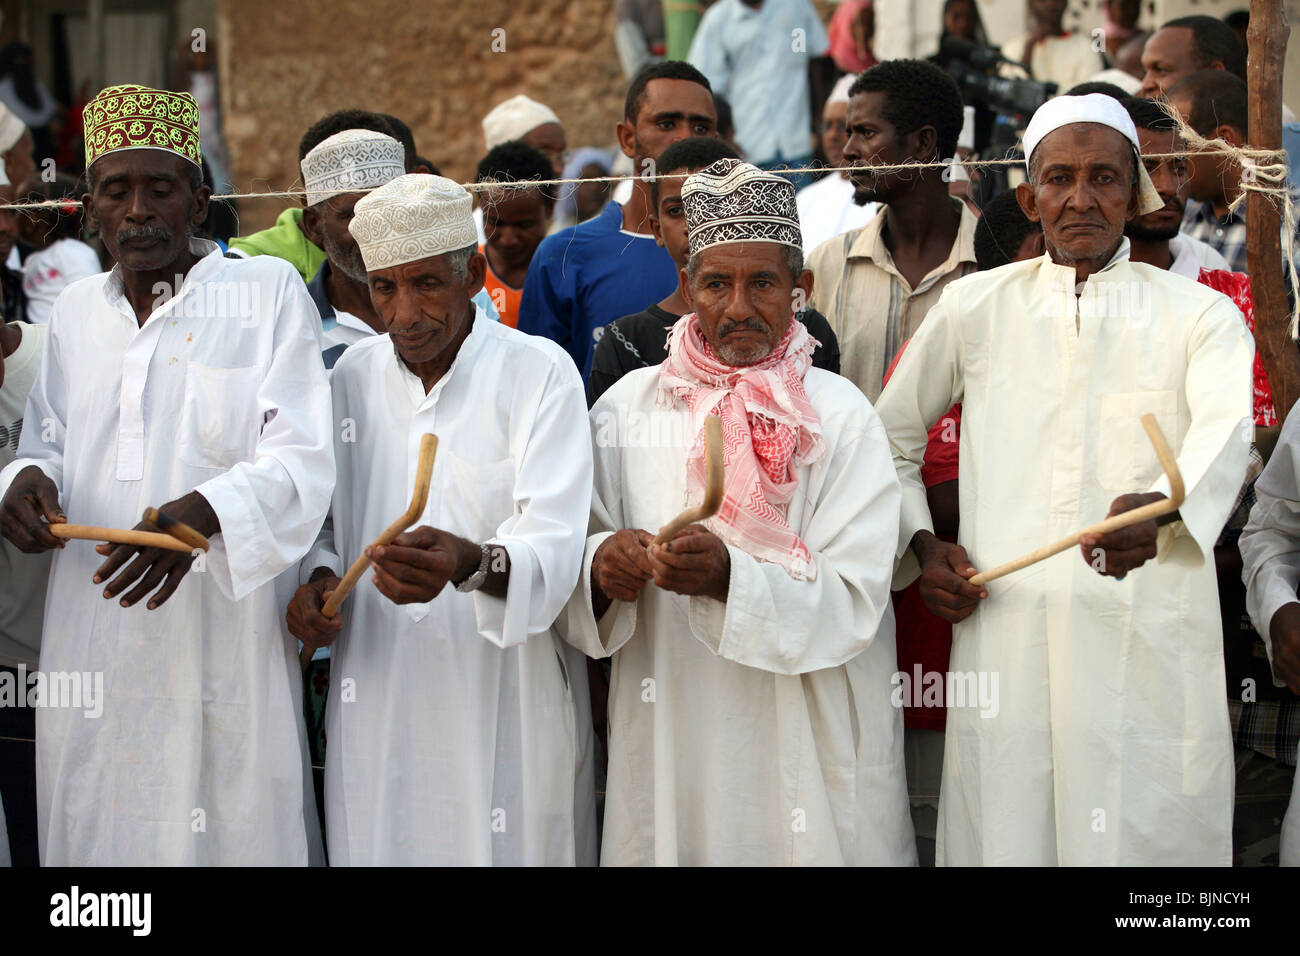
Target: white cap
[(11, 129), (840, 91), (1093, 108), (515, 119), (353, 161), (413, 217)]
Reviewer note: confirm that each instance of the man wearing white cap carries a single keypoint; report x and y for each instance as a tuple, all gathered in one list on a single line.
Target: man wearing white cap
[(536, 124), (454, 736), (828, 207), (531, 122), (750, 715), (336, 173), (1111, 743)]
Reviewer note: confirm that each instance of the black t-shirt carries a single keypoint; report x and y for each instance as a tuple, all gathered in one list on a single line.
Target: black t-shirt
[(641, 340)]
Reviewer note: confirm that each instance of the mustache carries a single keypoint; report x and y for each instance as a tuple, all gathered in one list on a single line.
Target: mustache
[(753, 324), (131, 233)]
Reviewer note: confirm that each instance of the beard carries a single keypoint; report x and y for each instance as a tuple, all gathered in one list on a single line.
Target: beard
[(1135, 230), (347, 261), (740, 356)]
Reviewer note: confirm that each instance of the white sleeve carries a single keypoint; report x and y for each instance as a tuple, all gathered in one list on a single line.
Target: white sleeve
[(45, 420), (1270, 543), (926, 383), (774, 623), (577, 623), (544, 536), (272, 507), (1216, 448)]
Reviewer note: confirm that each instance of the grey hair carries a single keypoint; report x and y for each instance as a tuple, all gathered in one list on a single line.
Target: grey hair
[(458, 262), (793, 256)]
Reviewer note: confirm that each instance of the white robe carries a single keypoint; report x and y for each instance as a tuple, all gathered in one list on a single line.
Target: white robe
[(758, 731), (199, 755), (460, 730), (1111, 743), (1270, 556)]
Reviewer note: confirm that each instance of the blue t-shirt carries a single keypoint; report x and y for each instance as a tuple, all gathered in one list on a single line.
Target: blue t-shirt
[(584, 277)]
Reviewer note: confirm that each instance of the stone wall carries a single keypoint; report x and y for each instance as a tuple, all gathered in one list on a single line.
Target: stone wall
[(437, 64)]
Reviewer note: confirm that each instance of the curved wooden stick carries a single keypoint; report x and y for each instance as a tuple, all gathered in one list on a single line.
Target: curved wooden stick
[(419, 497), (143, 539), (712, 485), (177, 529), (1154, 510)]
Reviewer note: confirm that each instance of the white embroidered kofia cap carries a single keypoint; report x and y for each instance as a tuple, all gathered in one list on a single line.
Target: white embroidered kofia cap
[(413, 217)]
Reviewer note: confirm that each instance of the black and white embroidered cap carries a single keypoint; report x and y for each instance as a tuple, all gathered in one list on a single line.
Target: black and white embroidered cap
[(353, 161), (735, 201)]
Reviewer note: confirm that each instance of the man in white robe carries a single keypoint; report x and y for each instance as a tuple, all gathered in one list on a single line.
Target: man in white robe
[(458, 723), (750, 714), (1270, 555), (1110, 744), (208, 401)]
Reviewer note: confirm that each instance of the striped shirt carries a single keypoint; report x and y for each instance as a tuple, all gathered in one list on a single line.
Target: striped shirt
[(871, 308)]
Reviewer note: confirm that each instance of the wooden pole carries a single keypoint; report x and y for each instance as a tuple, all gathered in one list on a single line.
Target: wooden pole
[(142, 539), (1266, 41), (714, 479)]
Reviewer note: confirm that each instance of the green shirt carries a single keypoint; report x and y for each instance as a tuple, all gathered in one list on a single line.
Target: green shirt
[(286, 240)]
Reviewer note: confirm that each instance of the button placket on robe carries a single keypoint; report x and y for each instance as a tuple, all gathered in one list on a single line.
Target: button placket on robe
[(135, 377), (422, 420)]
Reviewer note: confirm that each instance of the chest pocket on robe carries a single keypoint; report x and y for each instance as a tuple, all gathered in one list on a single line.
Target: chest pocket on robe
[(478, 497), (1126, 462), (220, 423)]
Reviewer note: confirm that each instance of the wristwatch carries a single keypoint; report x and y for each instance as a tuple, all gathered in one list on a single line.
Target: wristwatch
[(475, 580)]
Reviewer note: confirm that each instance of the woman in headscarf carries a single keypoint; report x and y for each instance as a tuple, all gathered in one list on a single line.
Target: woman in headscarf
[(852, 28)]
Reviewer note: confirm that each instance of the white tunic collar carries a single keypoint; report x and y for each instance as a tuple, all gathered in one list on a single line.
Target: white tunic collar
[(468, 349)]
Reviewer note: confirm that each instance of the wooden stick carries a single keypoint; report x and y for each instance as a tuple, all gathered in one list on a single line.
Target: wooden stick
[(419, 497), (177, 529), (144, 539), (712, 485), (1266, 49), (1154, 510)]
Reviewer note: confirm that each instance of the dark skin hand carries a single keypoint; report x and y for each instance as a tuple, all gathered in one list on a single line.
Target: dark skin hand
[(1284, 634), (620, 568), (944, 584), (1127, 548), (304, 617), (695, 561), (420, 563), (148, 568), (31, 503)]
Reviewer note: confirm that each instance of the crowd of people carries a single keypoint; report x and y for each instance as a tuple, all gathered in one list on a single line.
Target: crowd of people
[(918, 376)]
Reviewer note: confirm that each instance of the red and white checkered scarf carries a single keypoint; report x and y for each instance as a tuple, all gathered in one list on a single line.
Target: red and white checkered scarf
[(769, 428)]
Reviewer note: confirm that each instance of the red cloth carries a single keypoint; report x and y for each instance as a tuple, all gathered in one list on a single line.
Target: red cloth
[(1236, 286), (923, 638), (769, 428)]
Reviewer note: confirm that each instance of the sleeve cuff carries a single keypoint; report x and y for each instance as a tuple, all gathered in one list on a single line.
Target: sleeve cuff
[(319, 558)]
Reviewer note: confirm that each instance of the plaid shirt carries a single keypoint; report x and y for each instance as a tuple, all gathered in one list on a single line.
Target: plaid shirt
[(1227, 234)]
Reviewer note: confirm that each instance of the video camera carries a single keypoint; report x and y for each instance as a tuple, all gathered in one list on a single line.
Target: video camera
[(972, 67)]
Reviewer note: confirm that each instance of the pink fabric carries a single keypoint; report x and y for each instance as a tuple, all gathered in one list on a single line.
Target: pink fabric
[(843, 48), (769, 428), (1236, 286)]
